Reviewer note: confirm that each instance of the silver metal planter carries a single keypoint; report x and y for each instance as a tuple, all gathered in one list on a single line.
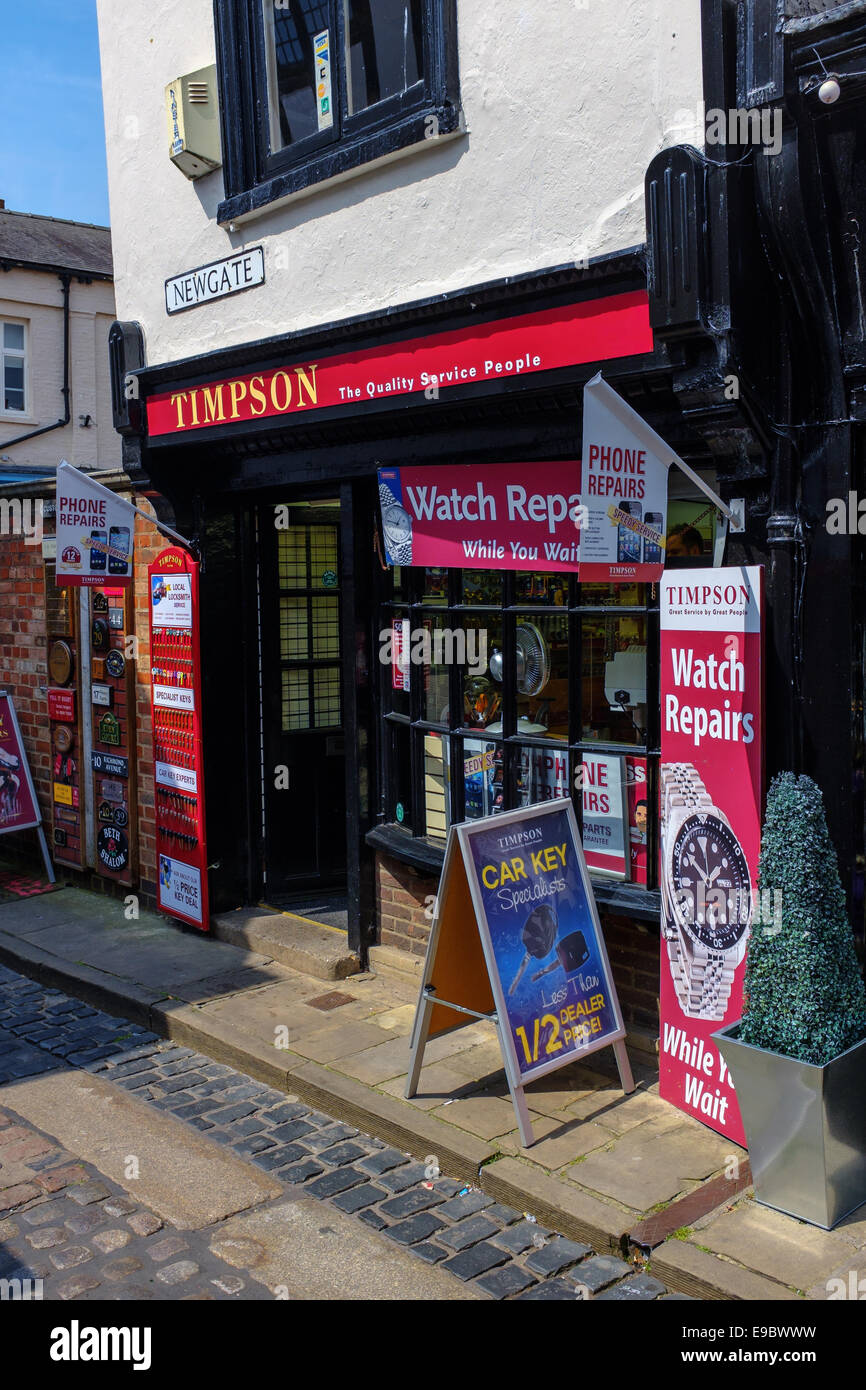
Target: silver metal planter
[(805, 1127)]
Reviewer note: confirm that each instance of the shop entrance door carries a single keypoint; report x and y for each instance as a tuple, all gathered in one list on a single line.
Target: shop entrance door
[(302, 735)]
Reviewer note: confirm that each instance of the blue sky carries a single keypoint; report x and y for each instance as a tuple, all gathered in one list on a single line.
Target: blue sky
[(52, 142)]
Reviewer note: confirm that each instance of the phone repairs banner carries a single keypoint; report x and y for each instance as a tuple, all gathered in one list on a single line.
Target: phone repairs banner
[(95, 530), (711, 802), (625, 495)]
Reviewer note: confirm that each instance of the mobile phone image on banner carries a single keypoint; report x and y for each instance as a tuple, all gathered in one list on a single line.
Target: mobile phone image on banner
[(652, 553), (628, 541), (97, 557), (118, 539)]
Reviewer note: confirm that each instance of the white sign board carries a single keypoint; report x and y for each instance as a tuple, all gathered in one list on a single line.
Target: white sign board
[(94, 531), (218, 280)]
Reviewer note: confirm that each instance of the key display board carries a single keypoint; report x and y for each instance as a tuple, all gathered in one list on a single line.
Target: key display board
[(177, 737)]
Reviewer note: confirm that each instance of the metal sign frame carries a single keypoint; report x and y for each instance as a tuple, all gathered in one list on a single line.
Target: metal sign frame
[(459, 850), (37, 824)]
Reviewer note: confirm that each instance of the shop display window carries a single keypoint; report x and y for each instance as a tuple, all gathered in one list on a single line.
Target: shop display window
[(530, 688)]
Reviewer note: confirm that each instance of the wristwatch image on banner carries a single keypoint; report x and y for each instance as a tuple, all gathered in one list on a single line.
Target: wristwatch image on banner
[(706, 888)]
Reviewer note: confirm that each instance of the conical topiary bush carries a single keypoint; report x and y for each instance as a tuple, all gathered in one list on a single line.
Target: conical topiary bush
[(803, 994)]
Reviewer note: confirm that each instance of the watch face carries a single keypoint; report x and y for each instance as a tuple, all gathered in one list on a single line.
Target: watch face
[(709, 881), (398, 525)]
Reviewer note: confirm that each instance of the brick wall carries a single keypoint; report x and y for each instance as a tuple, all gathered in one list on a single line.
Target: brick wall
[(402, 894), (23, 669)]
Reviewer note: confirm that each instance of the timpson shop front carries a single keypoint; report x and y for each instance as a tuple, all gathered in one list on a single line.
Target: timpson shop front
[(359, 698)]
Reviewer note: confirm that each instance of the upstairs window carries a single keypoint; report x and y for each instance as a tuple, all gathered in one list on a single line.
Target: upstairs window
[(312, 89), (12, 367)]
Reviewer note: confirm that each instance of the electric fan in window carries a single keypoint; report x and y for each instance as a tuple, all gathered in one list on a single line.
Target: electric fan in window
[(533, 661)]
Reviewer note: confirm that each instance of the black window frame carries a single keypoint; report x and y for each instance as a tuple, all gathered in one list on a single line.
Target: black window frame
[(510, 610), (253, 178)]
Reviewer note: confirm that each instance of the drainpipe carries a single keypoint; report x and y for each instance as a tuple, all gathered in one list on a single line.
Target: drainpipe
[(65, 281)]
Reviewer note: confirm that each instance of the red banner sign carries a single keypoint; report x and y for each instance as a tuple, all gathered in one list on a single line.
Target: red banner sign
[(507, 516), (177, 738), (61, 705), (711, 794), (594, 331), (19, 809)]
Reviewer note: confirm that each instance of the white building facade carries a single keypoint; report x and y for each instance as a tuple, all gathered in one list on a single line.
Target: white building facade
[(56, 307)]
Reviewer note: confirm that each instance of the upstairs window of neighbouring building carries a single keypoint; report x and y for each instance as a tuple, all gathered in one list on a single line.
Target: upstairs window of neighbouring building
[(12, 367)]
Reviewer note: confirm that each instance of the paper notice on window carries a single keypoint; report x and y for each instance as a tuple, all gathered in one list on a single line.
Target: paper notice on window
[(322, 60)]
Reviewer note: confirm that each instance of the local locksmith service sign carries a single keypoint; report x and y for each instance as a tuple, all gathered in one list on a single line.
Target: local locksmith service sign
[(711, 803), (537, 964)]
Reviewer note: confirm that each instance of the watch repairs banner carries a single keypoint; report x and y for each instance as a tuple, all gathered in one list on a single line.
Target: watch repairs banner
[(711, 803), (501, 516)]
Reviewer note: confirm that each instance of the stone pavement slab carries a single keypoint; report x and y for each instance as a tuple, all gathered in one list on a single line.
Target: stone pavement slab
[(773, 1244), (652, 1163), (290, 1248), (109, 1129)]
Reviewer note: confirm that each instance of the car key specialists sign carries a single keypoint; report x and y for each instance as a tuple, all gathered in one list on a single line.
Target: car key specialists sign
[(711, 801), (537, 964)]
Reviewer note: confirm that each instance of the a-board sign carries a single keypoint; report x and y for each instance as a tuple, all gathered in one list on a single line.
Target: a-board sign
[(19, 808), (516, 938)]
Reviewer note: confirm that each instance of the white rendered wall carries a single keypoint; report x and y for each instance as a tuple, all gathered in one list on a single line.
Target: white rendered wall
[(565, 101), (36, 296)]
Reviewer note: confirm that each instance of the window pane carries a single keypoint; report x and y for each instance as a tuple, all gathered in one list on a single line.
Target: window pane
[(13, 336), (401, 762), (397, 666), (482, 777), (542, 774), (436, 786), (435, 586), (326, 628), (482, 682), (542, 588), (614, 678), (292, 558), (299, 66), (294, 637), (439, 644), (323, 557), (625, 595), (542, 674), (326, 694), (296, 700), (385, 49), (482, 586)]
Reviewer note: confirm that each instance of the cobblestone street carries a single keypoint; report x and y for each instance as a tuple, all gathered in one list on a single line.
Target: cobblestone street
[(65, 1221)]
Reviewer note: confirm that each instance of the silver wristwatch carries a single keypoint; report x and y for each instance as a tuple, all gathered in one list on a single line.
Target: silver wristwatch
[(396, 527), (706, 893)]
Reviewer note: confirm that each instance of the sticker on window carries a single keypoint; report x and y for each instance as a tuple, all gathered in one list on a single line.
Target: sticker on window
[(322, 60)]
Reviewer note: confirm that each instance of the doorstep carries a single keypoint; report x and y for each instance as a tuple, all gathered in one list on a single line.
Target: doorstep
[(627, 1174), (299, 942)]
